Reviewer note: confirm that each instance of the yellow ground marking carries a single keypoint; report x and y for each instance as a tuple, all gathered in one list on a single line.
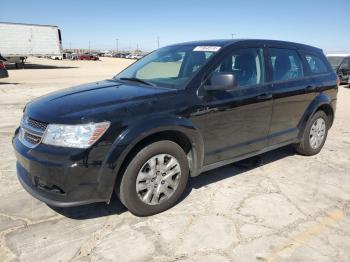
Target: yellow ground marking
[(308, 234)]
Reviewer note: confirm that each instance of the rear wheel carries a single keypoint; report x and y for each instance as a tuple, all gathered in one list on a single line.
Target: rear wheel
[(314, 135), (154, 179)]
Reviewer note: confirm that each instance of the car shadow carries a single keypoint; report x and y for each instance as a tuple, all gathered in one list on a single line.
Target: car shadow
[(116, 207), (240, 167), (38, 66), (8, 83)]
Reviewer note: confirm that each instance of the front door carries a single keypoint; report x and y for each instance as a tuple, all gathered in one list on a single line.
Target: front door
[(236, 122)]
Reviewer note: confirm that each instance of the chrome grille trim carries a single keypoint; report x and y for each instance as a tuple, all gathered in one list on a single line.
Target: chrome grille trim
[(31, 132), (37, 124)]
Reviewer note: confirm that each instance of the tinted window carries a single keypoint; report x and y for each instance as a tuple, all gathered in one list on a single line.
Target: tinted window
[(316, 64), (246, 64), (286, 64)]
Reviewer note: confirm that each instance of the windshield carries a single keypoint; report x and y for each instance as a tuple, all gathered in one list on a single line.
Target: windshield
[(335, 60), (171, 66)]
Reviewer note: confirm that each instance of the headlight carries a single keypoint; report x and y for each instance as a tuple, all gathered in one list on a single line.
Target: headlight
[(78, 136)]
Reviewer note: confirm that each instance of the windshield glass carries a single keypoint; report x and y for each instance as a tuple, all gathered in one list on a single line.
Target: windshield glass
[(171, 66), (335, 60)]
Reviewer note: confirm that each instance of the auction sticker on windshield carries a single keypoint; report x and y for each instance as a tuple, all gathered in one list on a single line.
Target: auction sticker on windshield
[(207, 48)]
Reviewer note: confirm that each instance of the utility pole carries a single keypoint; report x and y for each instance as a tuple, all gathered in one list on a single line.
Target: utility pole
[(232, 35), (158, 41), (89, 46), (116, 44)]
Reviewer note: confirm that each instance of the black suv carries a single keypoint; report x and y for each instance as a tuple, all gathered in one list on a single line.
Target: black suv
[(179, 111), (341, 65)]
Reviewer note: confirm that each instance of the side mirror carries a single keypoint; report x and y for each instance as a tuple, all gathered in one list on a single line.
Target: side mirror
[(221, 81)]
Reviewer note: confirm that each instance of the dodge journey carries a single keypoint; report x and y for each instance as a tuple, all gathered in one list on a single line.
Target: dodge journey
[(181, 110)]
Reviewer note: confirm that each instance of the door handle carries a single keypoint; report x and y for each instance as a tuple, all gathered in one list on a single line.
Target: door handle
[(265, 96), (310, 88)]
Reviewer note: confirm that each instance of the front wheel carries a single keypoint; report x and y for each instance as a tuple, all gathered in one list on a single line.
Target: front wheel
[(154, 179), (314, 135)]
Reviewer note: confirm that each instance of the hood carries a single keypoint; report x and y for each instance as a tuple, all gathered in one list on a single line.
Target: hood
[(92, 96)]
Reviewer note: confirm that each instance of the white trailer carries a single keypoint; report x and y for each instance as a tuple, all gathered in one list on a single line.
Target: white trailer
[(18, 41)]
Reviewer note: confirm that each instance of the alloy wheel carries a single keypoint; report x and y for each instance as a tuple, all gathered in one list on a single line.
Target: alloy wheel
[(158, 179), (317, 133)]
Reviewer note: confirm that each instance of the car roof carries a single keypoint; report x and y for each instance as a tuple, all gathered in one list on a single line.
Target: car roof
[(227, 42)]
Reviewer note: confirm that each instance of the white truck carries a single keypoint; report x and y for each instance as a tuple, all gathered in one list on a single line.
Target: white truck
[(18, 41)]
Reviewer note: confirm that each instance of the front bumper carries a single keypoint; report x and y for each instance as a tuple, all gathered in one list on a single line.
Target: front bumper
[(43, 195), (62, 177)]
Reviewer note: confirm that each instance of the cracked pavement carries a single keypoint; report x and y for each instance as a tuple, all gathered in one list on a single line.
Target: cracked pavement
[(284, 207)]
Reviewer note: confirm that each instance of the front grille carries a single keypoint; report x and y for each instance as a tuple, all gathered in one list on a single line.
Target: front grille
[(37, 124), (33, 139), (31, 131)]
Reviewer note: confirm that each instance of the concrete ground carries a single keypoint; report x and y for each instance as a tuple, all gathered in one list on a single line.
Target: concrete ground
[(285, 207)]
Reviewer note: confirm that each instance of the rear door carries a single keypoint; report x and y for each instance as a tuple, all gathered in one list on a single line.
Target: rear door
[(292, 93)]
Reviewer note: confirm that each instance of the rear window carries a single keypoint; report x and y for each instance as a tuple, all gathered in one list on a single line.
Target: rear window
[(316, 64)]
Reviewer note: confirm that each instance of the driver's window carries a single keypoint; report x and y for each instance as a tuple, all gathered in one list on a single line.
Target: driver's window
[(167, 67), (246, 64)]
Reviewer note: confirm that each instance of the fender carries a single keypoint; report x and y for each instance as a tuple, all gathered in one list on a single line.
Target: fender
[(139, 130), (320, 100)]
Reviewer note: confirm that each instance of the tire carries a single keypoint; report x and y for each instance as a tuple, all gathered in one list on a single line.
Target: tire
[(306, 147), (158, 152)]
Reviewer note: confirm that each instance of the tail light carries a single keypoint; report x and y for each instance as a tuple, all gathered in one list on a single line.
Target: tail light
[(2, 66)]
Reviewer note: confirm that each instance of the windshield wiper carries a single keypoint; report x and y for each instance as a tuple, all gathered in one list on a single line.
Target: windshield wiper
[(135, 79)]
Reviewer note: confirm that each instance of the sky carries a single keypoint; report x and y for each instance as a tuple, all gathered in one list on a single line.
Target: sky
[(321, 23)]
